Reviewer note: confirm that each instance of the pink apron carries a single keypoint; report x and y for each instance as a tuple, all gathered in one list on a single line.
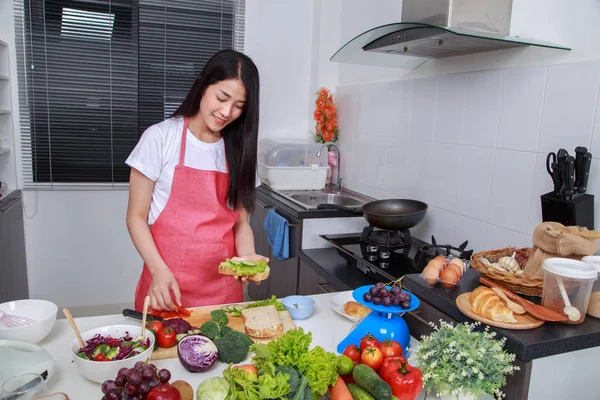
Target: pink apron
[(193, 234)]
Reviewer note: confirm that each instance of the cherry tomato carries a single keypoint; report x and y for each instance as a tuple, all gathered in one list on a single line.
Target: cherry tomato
[(248, 368), (372, 357), (367, 341), (390, 348), (100, 357), (166, 338), (352, 351), (156, 326)]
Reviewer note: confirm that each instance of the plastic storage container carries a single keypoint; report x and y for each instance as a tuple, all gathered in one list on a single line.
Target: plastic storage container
[(285, 164), (594, 306), (577, 279)]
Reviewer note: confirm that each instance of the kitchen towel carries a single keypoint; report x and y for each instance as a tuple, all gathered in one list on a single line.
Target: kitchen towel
[(278, 234)]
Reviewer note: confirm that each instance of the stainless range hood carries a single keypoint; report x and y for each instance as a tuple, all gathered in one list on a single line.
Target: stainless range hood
[(437, 29)]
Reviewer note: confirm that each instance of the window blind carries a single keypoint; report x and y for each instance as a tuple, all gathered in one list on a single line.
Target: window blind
[(94, 74)]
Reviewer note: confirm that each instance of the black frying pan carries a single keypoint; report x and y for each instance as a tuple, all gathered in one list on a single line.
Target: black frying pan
[(390, 214)]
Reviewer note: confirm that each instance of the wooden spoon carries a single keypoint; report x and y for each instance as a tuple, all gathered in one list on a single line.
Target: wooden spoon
[(516, 308), (73, 326), (572, 312), (537, 311), (144, 315), (583, 234)]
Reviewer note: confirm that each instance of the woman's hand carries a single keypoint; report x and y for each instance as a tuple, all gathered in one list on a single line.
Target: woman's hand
[(163, 283), (250, 257)]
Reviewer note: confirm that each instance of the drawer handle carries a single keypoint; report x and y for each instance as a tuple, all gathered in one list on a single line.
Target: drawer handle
[(326, 287), (9, 205)]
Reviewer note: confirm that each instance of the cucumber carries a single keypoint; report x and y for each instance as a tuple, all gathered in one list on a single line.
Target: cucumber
[(180, 336), (101, 349), (248, 264), (371, 382), (112, 353), (81, 354), (358, 393)]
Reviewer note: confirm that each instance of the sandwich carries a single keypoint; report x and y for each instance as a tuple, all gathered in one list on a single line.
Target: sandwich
[(252, 270)]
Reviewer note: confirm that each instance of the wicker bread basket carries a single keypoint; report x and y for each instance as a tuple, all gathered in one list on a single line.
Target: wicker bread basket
[(524, 284)]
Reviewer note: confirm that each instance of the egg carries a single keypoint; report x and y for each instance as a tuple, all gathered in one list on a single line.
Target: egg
[(456, 268), (449, 277), (458, 262), (431, 275), (437, 264), (442, 259)]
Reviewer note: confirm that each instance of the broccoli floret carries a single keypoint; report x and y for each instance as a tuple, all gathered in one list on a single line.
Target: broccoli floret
[(293, 381), (233, 347), (225, 329), (219, 316), (210, 329)]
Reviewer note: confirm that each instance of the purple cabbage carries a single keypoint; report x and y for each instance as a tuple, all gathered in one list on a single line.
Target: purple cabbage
[(197, 353), (179, 325)]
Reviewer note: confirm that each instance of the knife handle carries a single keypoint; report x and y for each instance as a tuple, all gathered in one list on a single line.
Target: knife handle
[(579, 153), (139, 315), (570, 177), (586, 162)]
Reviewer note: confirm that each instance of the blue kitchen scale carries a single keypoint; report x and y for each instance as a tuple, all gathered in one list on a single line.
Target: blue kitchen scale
[(382, 322)]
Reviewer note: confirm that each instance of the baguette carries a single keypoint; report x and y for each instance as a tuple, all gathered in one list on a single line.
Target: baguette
[(485, 302), (262, 322)]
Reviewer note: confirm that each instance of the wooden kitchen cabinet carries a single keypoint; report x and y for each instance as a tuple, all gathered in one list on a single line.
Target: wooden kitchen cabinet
[(283, 278)]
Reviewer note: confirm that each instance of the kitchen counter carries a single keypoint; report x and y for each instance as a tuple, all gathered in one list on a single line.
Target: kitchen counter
[(328, 329), (548, 340)]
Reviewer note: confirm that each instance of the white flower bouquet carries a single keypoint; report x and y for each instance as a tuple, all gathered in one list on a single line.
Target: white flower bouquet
[(459, 360)]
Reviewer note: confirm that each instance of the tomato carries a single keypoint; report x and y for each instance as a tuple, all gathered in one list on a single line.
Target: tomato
[(352, 351), (390, 364), (367, 341), (100, 357), (164, 392), (166, 338), (156, 326), (248, 368), (390, 348), (372, 357)]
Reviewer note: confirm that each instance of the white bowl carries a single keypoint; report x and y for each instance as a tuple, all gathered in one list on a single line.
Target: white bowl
[(43, 311), (100, 371)]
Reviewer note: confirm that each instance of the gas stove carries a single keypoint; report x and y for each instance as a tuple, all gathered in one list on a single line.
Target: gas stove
[(389, 255)]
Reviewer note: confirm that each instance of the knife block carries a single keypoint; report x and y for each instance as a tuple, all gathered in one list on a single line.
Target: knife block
[(578, 211)]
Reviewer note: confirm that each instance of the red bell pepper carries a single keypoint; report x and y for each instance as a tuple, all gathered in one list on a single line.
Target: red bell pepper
[(390, 364), (406, 382)]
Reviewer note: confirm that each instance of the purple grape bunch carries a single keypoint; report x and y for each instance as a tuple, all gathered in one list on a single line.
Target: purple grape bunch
[(134, 383), (379, 294)]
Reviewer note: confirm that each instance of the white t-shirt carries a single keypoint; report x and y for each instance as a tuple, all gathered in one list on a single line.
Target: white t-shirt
[(157, 153)]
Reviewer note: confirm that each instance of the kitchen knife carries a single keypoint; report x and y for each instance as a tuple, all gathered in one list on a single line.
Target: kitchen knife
[(569, 177), (138, 315), (586, 162), (579, 153), (561, 157)]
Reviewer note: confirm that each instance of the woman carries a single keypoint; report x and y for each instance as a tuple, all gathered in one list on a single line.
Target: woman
[(192, 185)]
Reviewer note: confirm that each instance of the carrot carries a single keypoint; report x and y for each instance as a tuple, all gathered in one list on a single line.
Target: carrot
[(339, 391)]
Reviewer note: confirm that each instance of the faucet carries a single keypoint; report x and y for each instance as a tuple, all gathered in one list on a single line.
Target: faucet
[(339, 160)]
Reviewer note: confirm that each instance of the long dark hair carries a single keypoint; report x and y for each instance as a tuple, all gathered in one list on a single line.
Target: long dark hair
[(241, 135)]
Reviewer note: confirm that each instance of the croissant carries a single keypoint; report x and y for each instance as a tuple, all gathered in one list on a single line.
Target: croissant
[(485, 302)]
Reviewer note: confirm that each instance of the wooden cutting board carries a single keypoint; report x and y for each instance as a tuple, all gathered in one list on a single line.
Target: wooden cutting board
[(199, 316), (524, 321)]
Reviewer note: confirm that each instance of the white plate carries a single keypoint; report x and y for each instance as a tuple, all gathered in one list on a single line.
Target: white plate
[(24, 358), (338, 301)]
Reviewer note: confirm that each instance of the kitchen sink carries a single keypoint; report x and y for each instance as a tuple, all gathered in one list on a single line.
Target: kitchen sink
[(311, 199)]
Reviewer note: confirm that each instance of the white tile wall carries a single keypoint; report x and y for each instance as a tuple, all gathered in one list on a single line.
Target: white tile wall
[(473, 146)]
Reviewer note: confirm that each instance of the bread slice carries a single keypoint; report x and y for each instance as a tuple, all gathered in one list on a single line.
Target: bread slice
[(288, 322), (261, 276), (262, 322)]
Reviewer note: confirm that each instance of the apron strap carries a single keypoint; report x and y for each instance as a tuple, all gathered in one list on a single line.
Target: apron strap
[(186, 122)]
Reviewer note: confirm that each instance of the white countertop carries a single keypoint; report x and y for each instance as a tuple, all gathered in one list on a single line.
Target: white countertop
[(328, 329)]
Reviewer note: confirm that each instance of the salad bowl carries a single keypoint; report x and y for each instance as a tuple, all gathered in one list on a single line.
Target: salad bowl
[(102, 358)]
